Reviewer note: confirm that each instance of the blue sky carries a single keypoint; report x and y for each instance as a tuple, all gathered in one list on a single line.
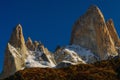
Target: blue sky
[(49, 21)]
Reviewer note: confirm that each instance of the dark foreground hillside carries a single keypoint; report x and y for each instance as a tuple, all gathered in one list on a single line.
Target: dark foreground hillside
[(104, 70)]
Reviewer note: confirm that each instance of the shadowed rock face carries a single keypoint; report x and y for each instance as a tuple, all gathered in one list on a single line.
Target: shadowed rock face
[(90, 31)]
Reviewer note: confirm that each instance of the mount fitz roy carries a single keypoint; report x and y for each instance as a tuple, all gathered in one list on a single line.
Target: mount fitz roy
[(92, 39)]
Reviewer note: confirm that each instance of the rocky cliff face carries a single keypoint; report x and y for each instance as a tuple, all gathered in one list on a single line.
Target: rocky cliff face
[(90, 31), (15, 53), (17, 40)]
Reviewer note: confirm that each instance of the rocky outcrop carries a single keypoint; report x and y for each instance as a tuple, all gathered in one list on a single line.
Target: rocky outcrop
[(17, 40), (40, 57), (90, 31), (30, 45), (113, 32), (40, 53), (36, 44), (46, 56), (15, 53)]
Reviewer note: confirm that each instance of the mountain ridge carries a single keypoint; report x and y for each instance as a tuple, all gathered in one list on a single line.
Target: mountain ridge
[(92, 40)]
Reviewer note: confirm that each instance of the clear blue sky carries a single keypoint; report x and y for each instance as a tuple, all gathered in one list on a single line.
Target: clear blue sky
[(49, 21)]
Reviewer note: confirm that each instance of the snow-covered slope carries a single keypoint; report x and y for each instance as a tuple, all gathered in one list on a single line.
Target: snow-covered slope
[(65, 54), (75, 54), (41, 57), (34, 59), (85, 54)]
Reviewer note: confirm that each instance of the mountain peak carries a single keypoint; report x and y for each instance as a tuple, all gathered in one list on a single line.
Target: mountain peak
[(29, 44), (19, 26), (92, 39), (94, 11), (17, 38), (93, 7), (110, 20), (113, 32), (29, 40), (18, 30), (90, 31)]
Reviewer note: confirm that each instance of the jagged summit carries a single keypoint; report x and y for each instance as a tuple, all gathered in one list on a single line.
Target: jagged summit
[(113, 32), (30, 44), (22, 54), (19, 25), (90, 31), (17, 38), (29, 40), (94, 8), (15, 52), (94, 11)]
